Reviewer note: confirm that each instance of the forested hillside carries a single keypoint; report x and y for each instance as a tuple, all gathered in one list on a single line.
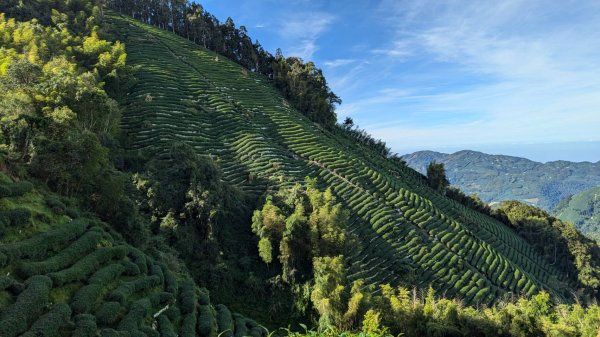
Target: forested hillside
[(583, 210), (495, 178), (159, 169)]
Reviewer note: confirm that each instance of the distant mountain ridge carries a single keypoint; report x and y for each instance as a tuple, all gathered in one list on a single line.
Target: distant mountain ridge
[(498, 177)]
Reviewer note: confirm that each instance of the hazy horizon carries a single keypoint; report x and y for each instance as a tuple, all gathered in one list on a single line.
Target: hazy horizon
[(541, 152)]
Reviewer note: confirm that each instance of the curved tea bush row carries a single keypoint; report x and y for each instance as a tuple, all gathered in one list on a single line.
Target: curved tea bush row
[(50, 323), (30, 303), (86, 243), (44, 243), (96, 285)]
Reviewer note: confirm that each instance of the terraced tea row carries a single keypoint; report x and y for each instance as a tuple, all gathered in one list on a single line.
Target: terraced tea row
[(80, 278), (190, 94)]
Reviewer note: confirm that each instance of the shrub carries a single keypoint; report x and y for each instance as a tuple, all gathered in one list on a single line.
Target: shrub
[(84, 267), (85, 326), (165, 327), (42, 244), (50, 323), (65, 258), (156, 270), (131, 269), (6, 282), (170, 280), (161, 298), (107, 274), (108, 313), (224, 321), (187, 296), (122, 293), (28, 306), (20, 188), (57, 206), (5, 191), (188, 325), (207, 325), (19, 217), (85, 297), (240, 326), (72, 212), (173, 313), (204, 298), (138, 311), (139, 258)]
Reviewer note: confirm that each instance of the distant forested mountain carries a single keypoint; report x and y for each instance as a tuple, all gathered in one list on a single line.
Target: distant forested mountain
[(496, 177)]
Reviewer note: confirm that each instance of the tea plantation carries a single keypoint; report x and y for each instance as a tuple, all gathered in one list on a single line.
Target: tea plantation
[(62, 275), (185, 93)]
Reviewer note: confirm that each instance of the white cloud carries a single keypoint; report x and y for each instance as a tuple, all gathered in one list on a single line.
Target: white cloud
[(302, 30), (531, 71), (338, 63)]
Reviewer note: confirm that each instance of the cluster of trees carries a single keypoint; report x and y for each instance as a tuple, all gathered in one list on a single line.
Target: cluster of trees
[(58, 116), (362, 137), (185, 199), (302, 234), (401, 312), (559, 242), (436, 176), (301, 83)]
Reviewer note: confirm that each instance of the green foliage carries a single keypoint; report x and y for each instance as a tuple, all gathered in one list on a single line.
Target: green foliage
[(20, 188), (29, 304), (125, 290), (51, 323), (265, 250), (85, 326), (56, 205), (583, 210), (303, 223), (86, 243), (187, 297), (90, 263), (85, 298), (19, 217), (165, 327), (394, 312), (558, 242), (108, 313), (138, 311), (436, 176), (224, 321), (329, 290), (207, 323), (50, 241)]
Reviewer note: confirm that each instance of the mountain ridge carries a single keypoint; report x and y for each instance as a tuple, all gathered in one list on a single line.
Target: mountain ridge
[(510, 177)]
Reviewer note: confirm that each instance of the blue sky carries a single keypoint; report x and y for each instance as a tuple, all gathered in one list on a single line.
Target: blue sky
[(513, 77)]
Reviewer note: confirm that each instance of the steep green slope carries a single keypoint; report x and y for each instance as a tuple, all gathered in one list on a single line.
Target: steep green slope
[(64, 276), (407, 232), (495, 178), (583, 210)]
